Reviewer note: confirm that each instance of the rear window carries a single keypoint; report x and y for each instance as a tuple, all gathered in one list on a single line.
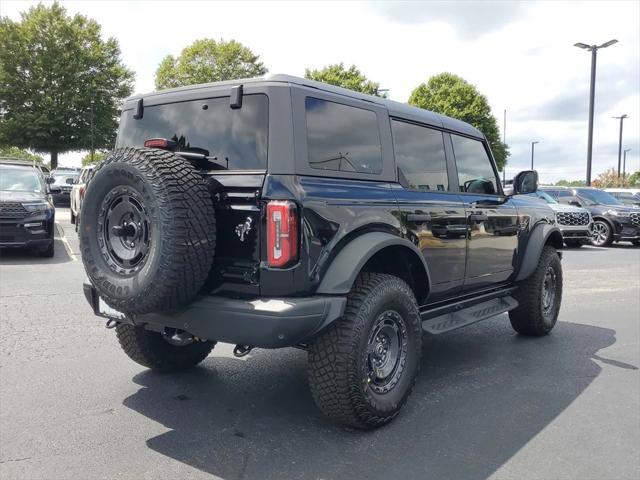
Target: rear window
[(234, 139), (342, 138)]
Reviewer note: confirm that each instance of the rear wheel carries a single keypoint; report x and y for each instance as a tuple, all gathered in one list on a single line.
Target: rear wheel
[(170, 351), (539, 297), (147, 230), (363, 367), (602, 234)]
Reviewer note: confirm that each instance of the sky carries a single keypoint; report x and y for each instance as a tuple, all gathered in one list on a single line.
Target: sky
[(519, 54)]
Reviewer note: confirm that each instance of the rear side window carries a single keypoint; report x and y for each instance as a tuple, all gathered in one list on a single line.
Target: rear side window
[(342, 138), (420, 156), (475, 172), (234, 139)]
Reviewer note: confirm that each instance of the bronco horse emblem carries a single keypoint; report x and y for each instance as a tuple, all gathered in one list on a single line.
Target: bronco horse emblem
[(243, 228)]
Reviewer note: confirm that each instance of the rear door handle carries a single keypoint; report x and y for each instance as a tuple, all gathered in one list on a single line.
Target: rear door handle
[(478, 217), (418, 217)]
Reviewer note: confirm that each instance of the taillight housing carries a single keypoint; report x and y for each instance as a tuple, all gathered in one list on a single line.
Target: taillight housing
[(82, 189), (159, 143), (282, 233)]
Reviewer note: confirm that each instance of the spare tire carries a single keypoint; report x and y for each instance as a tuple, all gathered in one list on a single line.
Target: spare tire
[(147, 230)]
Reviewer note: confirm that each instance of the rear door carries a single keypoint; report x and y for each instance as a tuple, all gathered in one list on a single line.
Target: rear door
[(492, 218), (430, 210)]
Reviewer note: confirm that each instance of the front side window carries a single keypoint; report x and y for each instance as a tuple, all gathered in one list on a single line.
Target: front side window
[(342, 138), (475, 172), (232, 139), (420, 156)]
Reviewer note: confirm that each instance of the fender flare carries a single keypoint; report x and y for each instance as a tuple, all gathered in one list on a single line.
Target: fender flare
[(537, 240), (346, 266)]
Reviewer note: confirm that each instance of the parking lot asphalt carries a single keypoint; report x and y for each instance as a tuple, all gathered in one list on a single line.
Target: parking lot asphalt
[(488, 403)]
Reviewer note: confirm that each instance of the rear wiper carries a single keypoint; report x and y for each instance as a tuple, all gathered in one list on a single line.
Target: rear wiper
[(204, 160)]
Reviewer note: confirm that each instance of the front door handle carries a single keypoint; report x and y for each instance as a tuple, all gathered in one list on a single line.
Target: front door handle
[(418, 217), (478, 217)]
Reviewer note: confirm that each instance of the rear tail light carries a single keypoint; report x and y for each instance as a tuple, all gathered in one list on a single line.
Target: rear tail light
[(282, 233), (159, 143), (82, 190)]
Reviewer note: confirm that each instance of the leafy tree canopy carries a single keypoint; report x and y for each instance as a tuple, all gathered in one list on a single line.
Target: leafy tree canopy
[(350, 78), (570, 183), (453, 96), (610, 179), (97, 157), (52, 67), (208, 61), (634, 179), (20, 153)]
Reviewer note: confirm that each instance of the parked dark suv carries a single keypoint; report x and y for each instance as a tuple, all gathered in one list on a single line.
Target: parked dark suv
[(284, 212), (612, 220), (26, 212)]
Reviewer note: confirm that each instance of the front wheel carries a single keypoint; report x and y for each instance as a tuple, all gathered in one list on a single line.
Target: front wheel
[(164, 352), (363, 367), (539, 297), (602, 234)]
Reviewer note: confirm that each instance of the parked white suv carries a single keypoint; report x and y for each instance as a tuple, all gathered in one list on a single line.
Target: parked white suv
[(575, 223), (77, 193)]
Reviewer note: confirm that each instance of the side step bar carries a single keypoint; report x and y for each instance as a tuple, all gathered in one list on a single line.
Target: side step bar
[(467, 316)]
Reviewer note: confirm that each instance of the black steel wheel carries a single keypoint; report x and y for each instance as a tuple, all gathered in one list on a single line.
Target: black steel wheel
[(147, 230), (362, 368), (539, 297)]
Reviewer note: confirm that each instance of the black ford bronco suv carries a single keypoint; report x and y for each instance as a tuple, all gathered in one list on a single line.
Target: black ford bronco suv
[(282, 212)]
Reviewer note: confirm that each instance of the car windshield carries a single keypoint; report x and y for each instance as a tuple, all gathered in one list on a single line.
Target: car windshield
[(20, 179), (543, 196), (64, 178), (595, 197)]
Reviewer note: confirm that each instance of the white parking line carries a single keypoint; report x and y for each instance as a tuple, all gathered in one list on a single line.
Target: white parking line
[(65, 242)]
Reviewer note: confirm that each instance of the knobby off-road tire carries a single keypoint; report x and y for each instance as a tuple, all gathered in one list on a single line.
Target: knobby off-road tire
[(147, 230), (539, 297), (343, 382), (151, 350)]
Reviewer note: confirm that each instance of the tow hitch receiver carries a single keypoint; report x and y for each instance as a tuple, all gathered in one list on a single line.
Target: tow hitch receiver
[(241, 350)]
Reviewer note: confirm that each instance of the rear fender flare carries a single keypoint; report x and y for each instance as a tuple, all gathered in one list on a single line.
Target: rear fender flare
[(347, 265)]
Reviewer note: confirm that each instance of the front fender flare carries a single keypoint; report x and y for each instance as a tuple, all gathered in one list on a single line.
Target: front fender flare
[(539, 237), (346, 266)]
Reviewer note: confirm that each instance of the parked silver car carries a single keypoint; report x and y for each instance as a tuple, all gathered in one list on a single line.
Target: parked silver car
[(575, 223)]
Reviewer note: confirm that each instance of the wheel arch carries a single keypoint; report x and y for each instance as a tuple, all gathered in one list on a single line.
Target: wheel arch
[(541, 235), (377, 252)]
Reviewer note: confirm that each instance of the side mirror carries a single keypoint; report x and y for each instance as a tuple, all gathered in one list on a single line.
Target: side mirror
[(525, 182), (575, 203), (70, 181), (50, 180)]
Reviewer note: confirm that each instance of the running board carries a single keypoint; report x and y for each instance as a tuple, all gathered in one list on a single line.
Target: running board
[(467, 316)]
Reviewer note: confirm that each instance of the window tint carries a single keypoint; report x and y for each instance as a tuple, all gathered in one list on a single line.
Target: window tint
[(233, 139), (342, 138), (475, 172), (420, 156)]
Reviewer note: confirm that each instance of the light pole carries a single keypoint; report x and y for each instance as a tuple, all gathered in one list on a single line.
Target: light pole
[(621, 118), (504, 140), (532, 147), (594, 50), (624, 163)]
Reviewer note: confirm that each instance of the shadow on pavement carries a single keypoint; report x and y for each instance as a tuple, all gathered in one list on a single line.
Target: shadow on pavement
[(482, 394), (25, 256)]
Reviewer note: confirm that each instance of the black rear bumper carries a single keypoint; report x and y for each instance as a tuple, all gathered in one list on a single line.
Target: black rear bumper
[(261, 322)]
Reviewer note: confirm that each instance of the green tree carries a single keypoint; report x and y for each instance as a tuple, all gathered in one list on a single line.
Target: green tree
[(609, 178), (21, 154), (453, 96), (634, 179), (97, 157), (570, 183), (56, 75), (350, 78), (208, 61)]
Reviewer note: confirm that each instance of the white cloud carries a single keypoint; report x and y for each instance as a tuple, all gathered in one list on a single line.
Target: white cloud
[(521, 56)]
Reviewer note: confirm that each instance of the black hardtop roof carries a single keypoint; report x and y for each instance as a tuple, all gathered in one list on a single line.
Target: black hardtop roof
[(397, 109)]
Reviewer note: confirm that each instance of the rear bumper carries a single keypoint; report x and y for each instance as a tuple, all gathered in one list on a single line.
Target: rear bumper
[(262, 322)]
